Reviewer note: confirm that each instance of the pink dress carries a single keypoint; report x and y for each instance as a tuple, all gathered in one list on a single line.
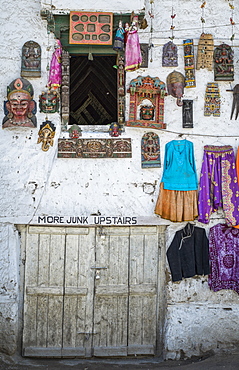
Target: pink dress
[(133, 57), (55, 75)]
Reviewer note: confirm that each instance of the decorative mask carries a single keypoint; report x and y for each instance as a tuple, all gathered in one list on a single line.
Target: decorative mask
[(115, 129), (147, 112), (46, 135), (49, 101), (75, 132), (20, 108), (175, 85)]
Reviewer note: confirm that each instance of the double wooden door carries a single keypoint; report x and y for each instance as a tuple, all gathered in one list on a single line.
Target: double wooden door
[(92, 291)]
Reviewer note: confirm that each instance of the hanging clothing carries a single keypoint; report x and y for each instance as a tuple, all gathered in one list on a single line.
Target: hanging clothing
[(188, 254), (119, 39), (177, 200), (55, 74), (218, 184), (133, 57), (224, 258)]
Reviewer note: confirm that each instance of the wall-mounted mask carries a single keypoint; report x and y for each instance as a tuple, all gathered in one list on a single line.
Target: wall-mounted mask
[(175, 85), (46, 135), (49, 101), (20, 108)]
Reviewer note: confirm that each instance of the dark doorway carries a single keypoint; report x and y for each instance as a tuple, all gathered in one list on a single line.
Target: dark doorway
[(93, 90)]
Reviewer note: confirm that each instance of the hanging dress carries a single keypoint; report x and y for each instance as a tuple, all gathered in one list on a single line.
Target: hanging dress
[(218, 184), (119, 39), (224, 258), (55, 74), (177, 200), (133, 57)]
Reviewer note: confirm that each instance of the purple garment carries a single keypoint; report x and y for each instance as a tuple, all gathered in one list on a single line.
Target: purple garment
[(224, 258), (133, 57), (218, 184)]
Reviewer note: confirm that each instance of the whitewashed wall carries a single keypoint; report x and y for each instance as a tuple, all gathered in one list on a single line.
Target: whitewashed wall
[(35, 183)]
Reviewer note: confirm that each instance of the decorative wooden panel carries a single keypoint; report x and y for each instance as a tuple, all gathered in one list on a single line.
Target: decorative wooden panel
[(189, 63), (150, 150), (90, 28), (94, 148)]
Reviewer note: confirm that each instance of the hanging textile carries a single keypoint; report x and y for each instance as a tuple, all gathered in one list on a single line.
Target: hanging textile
[(224, 258), (119, 38), (188, 253), (177, 200), (55, 74), (133, 57), (218, 184)]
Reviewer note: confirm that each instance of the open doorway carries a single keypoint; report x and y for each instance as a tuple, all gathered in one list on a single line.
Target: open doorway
[(93, 90)]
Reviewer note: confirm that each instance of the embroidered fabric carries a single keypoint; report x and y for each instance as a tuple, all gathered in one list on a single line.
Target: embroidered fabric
[(224, 258)]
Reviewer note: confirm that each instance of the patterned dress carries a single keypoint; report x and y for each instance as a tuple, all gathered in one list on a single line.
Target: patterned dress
[(224, 258), (218, 185)]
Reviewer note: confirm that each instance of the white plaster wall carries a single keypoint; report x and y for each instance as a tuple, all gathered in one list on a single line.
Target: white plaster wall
[(36, 183)]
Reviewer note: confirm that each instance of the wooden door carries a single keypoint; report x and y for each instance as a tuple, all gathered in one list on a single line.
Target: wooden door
[(91, 291)]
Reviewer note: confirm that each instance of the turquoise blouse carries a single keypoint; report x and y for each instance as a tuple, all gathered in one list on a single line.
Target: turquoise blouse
[(179, 166)]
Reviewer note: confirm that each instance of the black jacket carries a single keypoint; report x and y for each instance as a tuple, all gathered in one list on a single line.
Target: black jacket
[(188, 254)]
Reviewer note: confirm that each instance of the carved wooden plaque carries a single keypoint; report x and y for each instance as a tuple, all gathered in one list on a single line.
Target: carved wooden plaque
[(90, 28), (205, 52), (94, 148), (150, 150), (189, 63)]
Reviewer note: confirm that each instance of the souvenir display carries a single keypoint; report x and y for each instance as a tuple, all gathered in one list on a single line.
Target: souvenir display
[(46, 135), (20, 108), (188, 253), (170, 55), (115, 129), (187, 113), (65, 90), (49, 101), (205, 52), (218, 184), (119, 38), (91, 28), (133, 57), (223, 63), (94, 148), (177, 199), (189, 63), (150, 150), (223, 253), (175, 86), (121, 89), (55, 74), (235, 103), (75, 132), (212, 100), (31, 59), (146, 102)]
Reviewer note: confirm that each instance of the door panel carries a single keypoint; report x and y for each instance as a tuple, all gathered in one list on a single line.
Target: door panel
[(111, 292), (91, 291), (143, 278), (78, 295), (43, 314)]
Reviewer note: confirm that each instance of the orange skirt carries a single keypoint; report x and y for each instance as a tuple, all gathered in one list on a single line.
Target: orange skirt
[(176, 205)]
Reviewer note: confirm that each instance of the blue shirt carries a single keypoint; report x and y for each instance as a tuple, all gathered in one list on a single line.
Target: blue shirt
[(179, 166)]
